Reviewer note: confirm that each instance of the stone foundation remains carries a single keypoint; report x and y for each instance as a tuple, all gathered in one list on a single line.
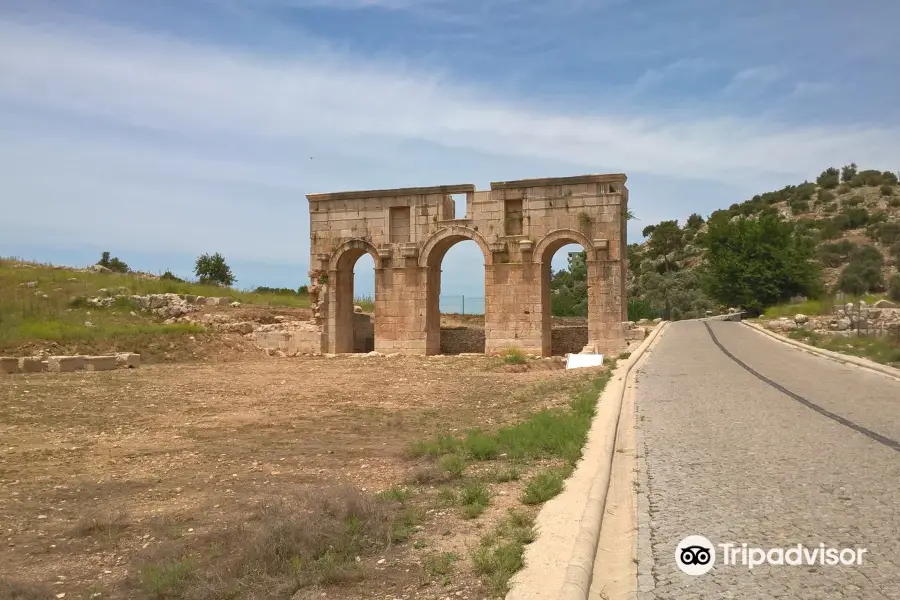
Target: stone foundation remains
[(68, 364)]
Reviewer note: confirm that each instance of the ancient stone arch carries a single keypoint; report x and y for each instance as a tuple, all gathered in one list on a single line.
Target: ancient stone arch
[(517, 224)]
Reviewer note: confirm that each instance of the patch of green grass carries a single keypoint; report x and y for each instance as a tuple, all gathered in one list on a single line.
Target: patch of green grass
[(480, 446), (812, 307), (884, 350), (405, 524), (474, 498), (550, 433), (545, 485), (442, 444), (500, 554), (167, 578), (448, 496), (454, 465), (395, 494), (440, 564), (503, 475), (513, 356)]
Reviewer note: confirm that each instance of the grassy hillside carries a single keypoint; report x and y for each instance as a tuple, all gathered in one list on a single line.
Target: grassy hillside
[(850, 217), (45, 303)]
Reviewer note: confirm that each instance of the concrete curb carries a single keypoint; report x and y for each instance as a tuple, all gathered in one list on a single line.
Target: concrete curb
[(579, 572), (843, 358)]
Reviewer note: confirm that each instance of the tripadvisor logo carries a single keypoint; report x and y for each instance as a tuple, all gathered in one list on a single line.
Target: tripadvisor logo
[(696, 555)]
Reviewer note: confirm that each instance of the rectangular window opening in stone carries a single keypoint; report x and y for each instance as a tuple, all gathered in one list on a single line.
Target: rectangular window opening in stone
[(400, 232), (459, 205), (513, 217)]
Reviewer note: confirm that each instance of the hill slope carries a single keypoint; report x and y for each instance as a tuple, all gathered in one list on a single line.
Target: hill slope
[(852, 218)]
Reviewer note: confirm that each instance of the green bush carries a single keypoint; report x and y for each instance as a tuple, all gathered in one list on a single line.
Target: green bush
[(895, 251), (113, 264), (170, 276), (694, 221), (825, 197), (856, 217), (213, 269), (514, 356), (888, 233), (830, 208), (757, 263), (836, 254), (844, 189), (841, 221), (894, 290), (474, 499), (887, 190), (848, 172), (852, 201), (863, 273), (894, 201), (799, 207), (829, 179), (545, 485), (639, 308), (453, 464), (481, 446)]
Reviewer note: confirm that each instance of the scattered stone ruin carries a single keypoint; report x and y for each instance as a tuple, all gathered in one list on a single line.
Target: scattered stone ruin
[(518, 225)]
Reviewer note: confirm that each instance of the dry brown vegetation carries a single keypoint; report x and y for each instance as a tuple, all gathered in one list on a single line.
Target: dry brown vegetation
[(352, 477)]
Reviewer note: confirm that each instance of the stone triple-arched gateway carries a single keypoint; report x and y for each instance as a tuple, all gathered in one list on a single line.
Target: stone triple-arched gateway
[(518, 225)]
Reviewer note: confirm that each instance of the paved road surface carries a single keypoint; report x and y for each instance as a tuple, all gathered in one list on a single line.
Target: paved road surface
[(731, 457)]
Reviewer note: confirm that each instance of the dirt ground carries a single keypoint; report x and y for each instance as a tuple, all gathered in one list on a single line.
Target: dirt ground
[(99, 469)]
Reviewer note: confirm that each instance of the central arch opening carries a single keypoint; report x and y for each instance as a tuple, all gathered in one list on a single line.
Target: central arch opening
[(565, 288), (456, 297)]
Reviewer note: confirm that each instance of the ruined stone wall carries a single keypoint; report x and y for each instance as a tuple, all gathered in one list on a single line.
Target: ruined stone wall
[(518, 225), (458, 340), (568, 340), (363, 333)]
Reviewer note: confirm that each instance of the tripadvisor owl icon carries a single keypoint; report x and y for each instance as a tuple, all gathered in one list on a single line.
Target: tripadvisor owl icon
[(695, 555)]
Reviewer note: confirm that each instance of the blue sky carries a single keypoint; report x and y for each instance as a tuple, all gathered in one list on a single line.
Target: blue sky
[(163, 129)]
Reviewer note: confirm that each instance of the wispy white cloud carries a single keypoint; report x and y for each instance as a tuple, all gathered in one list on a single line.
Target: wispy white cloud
[(755, 79), (651, 78), (170, 85)]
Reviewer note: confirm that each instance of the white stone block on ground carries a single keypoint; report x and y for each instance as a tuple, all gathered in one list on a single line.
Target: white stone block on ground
[(99, 363), (9, 365), (577, 361), (128, 360), (65, 364), (31, 364)]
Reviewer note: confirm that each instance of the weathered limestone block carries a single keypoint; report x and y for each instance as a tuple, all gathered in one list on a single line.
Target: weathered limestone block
[(128, 360), (100, 363), (32, 364), (9, 365), (800, 318), (65, 364), (884, 304)]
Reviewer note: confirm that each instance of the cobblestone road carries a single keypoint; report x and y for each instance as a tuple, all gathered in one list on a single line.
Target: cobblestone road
[(730, 457)]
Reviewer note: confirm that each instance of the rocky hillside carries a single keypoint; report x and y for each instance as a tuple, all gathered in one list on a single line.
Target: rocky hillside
[(66, 310), (851, 216)]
